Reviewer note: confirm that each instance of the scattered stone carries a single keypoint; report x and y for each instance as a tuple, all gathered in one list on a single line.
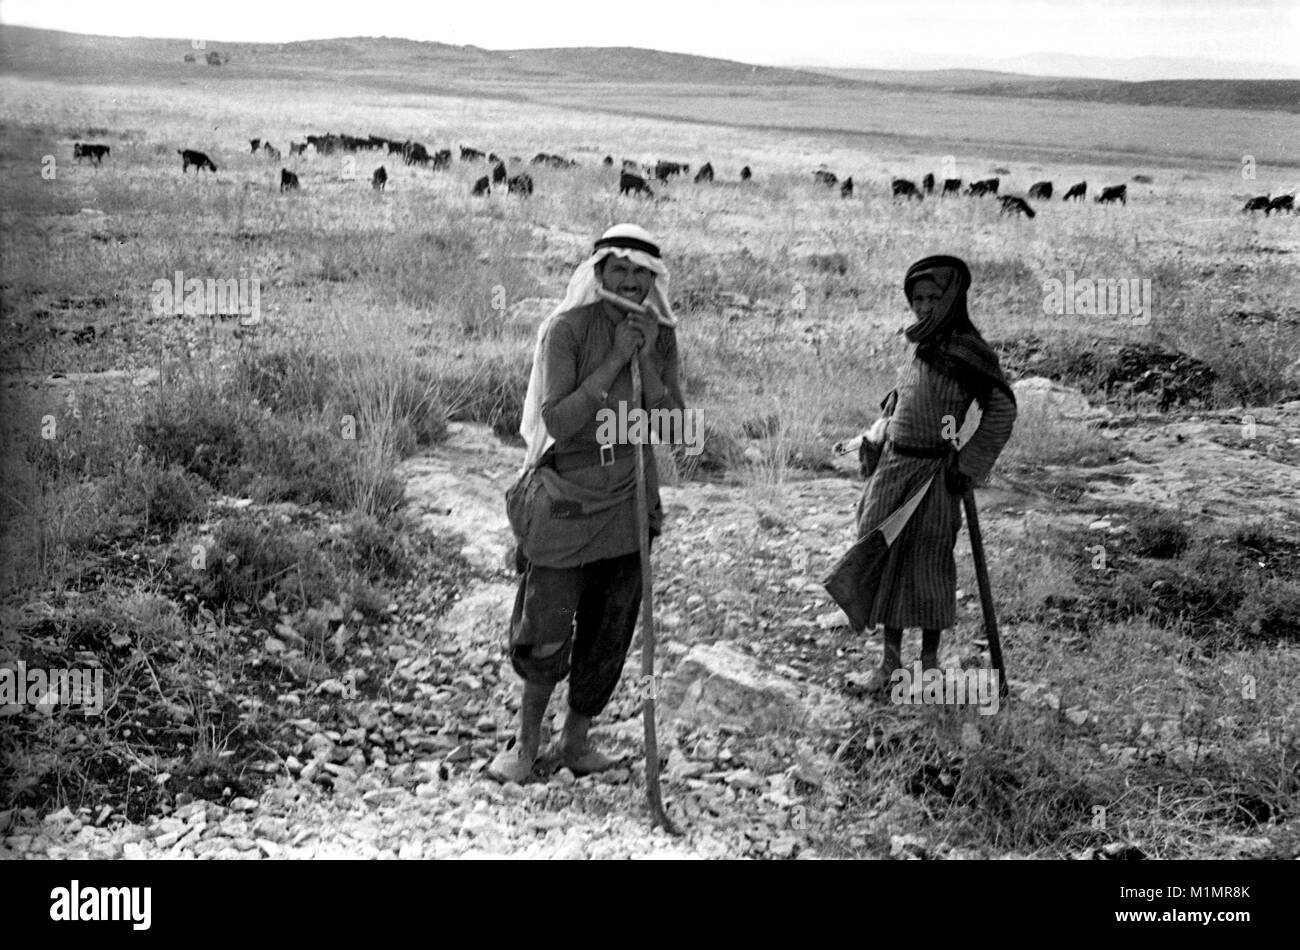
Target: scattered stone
[(747, 779), (383, 797), (570, 851), (272, 829), (832, 620), (235, 828), (783, 847), (907, 846), (1123, 851), (477, 822)]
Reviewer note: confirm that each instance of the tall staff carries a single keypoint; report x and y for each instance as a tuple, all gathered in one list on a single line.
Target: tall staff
[(986, 590), (653, 793)]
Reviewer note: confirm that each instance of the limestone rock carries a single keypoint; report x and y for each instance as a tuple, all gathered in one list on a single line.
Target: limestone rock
[(1068, 403), (717, 685)]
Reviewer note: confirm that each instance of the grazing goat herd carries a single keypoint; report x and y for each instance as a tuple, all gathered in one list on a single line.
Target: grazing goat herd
[(1011, 204), (634, 179)]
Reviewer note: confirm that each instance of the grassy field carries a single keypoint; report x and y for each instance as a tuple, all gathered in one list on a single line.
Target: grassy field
[(402, 310)]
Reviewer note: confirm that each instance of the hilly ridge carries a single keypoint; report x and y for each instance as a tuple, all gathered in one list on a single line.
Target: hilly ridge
[(427, 66), (1281, 95)]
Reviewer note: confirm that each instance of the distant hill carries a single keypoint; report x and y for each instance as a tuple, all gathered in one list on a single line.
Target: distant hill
[(413, 64), (629, 64), (1058, 65), (1280, 95), (75, 56), (943, 79)]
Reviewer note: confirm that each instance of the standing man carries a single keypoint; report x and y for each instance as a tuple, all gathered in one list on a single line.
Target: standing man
[(951, 366), (574, 511)]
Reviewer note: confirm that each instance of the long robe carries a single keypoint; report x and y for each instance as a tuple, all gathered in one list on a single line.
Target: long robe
[(914, 582)]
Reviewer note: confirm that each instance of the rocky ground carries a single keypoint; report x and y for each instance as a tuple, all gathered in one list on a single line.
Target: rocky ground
[(756, 706)]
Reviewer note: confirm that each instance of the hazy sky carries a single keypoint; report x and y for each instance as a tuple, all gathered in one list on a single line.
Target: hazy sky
[(821, 32)]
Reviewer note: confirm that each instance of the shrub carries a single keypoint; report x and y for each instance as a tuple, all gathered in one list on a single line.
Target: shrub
[(378, 547), (150, 497), (297, 378), (491, 391), (409, 389), (1198, 594), (1159, 534), (299, 460), (247, 561), (1272, 612), (198, 429), (370, 602)]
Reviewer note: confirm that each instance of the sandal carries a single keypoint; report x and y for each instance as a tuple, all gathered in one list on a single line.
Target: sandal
[(877, 686), (510, 766), (589, 762)]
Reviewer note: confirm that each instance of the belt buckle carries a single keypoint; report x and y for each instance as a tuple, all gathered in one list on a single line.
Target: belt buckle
[(606, 454)]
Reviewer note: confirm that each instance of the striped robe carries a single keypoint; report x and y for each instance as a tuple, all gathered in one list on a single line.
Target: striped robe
[(918, 586)]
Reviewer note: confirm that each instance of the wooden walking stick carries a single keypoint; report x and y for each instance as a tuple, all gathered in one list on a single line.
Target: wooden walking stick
[(653, 792), (986, 590)]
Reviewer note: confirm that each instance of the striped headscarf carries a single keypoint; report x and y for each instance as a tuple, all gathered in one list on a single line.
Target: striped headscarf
[(947, 340)]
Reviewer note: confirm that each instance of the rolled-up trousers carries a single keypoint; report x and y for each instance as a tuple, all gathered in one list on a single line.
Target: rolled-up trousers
[(592, 611)]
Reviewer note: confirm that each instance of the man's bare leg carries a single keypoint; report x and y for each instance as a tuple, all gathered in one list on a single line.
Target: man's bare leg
[(515, 762), (576, 751)]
